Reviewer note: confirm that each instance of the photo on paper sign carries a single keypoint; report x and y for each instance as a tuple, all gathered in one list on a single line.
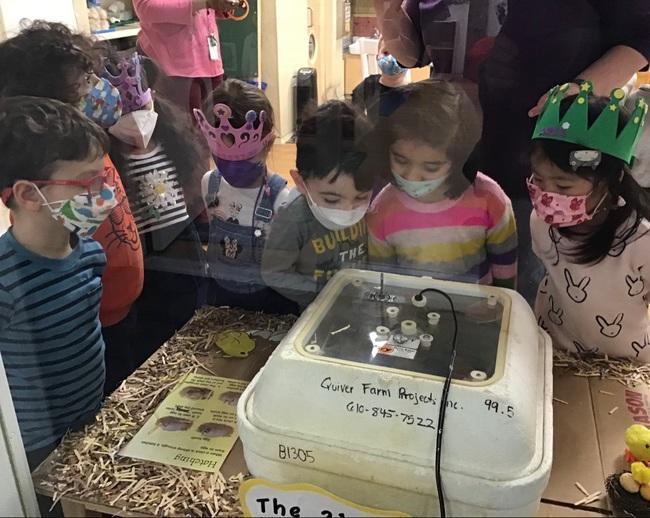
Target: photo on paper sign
[(174, 424), (196, 393), (230, 398), (215, 430)]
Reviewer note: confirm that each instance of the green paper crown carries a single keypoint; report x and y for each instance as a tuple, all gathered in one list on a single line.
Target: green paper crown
[(603, 135)]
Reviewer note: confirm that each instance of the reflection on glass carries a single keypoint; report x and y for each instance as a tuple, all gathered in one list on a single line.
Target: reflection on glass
[(388, 330)]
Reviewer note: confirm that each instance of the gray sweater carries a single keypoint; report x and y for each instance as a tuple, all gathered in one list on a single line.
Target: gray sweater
[(301, 255)]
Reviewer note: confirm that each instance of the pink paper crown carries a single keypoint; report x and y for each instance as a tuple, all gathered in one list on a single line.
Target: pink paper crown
[(129, 83), (247, 141)]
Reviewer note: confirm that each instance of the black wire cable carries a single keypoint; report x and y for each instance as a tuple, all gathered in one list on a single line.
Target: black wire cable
[(445, 394)]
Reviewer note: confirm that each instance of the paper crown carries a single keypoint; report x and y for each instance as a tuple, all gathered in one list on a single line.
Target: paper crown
[(129, 84), (603, 134), (230, 143)]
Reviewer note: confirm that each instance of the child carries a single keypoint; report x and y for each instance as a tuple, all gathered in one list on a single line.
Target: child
[(323, 229), (242, 197), (158, 153), (431, 220), (48, 60), (590, 226), (59, 192), (374, 96)]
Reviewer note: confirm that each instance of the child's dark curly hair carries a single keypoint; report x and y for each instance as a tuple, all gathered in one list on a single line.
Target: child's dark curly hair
[(36, 133), (47, 59)]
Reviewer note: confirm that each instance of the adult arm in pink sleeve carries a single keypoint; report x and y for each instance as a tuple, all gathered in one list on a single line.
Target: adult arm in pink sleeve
[(178, 12)]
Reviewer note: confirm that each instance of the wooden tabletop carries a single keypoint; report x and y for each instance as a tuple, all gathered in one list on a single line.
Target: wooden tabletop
[(577, 450)]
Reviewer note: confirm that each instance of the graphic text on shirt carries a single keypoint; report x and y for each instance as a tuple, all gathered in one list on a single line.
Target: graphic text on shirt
[(330, 240)]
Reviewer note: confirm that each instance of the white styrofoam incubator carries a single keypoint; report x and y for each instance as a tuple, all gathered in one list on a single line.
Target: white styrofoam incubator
[(350, 399)]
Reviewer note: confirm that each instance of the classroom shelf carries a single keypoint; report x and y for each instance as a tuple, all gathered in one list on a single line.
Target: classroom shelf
[(126, 31)]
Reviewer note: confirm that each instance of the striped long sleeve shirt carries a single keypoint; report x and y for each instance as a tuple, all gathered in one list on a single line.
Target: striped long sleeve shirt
[(50, 337), (470, 239)]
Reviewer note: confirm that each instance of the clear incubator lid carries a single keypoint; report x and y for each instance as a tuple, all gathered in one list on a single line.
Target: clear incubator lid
[(372, 320)]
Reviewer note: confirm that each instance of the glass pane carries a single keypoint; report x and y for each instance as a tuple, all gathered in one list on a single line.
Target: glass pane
[(387, 330)]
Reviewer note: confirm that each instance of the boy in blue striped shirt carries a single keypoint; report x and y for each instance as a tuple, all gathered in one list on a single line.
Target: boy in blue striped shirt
[(52, 177)]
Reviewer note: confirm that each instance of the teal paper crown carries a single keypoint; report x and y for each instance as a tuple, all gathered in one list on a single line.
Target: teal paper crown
[(603, 135)]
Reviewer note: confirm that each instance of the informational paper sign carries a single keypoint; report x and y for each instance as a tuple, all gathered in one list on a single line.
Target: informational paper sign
[(195, 427), (260, 498)]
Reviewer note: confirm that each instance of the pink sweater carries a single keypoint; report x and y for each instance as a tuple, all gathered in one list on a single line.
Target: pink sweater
[(470, 239), (177, 38)]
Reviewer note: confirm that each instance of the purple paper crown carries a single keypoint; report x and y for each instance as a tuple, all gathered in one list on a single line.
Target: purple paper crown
[(244, 143), (129, 83)]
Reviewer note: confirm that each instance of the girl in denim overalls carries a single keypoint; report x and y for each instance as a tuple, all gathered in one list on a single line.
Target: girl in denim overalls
[(241, 196)]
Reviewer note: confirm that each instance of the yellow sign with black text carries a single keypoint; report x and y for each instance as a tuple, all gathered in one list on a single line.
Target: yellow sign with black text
[(260, 498)]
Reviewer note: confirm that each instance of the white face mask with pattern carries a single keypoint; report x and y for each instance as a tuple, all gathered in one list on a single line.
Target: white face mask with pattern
[(84, 213)]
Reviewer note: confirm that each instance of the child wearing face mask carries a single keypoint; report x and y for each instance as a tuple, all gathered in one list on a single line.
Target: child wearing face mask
[(157, 152), (590, 226), (323, 230), (241, 195), (59, 193), (431, 220), (375, 96), (47, 60)]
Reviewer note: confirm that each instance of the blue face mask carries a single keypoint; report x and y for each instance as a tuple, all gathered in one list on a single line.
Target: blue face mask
[(103, 104), (240, 173), (419, 189), (389, 65)]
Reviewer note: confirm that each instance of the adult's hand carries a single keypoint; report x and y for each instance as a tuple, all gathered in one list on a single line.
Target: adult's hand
[(613, 70), (574, 89), (222, 6)]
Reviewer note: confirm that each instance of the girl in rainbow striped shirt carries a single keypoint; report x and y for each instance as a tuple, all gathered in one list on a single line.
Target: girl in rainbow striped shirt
[(430, 220)]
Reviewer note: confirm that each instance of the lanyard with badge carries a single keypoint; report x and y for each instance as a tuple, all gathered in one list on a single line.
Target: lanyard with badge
[(213, 47), (213, 41)]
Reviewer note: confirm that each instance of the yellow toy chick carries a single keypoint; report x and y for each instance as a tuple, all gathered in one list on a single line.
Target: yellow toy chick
[(235, 343), (637, 439)]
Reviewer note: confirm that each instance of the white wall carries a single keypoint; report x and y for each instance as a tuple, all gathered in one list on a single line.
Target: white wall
[(12, 12), (284, 49), (333, 53)]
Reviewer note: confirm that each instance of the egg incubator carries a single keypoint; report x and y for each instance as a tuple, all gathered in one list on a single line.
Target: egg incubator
[(349, 401)]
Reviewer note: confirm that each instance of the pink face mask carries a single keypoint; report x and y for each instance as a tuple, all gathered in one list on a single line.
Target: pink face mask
[(561, 210)]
